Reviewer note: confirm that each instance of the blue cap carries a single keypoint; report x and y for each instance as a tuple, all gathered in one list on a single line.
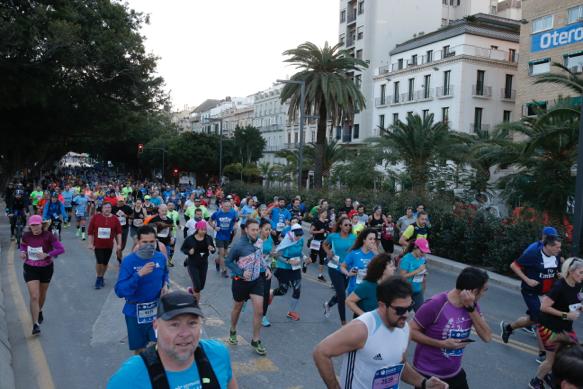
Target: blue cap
[(550, 231)]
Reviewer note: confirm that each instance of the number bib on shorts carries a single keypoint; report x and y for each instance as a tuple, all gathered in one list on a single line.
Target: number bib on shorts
[(103, 233), (34, 253), (299, 265), (315, 245), (333, 262), (146, 312)]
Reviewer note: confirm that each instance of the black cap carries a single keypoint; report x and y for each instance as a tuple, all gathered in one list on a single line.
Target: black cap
[(177, 303)]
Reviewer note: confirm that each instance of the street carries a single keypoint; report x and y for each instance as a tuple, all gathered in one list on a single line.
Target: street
[(83, 339)]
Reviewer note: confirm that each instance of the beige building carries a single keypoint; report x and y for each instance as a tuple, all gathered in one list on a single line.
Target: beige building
[(552, 31), (237, 117)]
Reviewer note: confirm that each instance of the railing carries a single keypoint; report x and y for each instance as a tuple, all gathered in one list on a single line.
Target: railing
[(482, 91), (424, 94), (351, 16), (474, 127), (508, 94), (383, 69), (394, 100), (381, 101), (443, 92), (349, 42)]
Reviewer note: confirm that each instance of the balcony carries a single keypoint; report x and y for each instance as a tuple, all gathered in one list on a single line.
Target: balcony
[(381, 101), (444, 92), (351, 17), (350, 42), (508, 94), (481, 91), (383, 69), (394, 100), (475, 127), (424, 94)]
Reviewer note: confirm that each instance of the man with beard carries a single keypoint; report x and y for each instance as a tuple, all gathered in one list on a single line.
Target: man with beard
[(180, 359)]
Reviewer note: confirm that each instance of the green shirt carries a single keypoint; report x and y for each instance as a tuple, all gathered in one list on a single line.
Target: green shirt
[(367, 292), (126, 191), (36, 196), (190, 212), (175, 217)]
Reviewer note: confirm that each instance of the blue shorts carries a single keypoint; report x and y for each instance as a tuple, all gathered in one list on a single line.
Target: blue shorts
[(139, 334), (532, 301)]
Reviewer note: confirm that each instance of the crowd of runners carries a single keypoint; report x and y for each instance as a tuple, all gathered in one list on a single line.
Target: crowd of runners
[(375, 263)]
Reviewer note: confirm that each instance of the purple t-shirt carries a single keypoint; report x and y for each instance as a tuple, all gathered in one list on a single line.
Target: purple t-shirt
[(45, 242), (441, 320)]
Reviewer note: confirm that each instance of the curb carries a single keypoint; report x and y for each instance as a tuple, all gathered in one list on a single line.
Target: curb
[(6, 369)]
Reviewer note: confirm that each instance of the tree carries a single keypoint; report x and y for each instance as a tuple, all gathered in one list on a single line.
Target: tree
[(350, 172), (267, 172), (417, 143), (332, 153), (331, 94), (249, 144)]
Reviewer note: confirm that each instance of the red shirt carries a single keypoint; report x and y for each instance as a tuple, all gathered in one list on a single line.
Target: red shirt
[(104, 230), (111, 200)]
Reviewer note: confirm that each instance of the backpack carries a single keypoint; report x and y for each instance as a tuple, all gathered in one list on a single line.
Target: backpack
[(158, 377)]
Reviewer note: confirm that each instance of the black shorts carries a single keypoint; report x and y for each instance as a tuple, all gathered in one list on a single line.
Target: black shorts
[(243, 289), (102, 256), (287, 275), (38, 273), (222, 244), (197, 271), (124, 235)]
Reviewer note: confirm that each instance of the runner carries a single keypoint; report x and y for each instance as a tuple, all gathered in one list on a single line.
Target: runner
[(289, 264), (190, 226), (280, 217), (245, 261), (143, 277), (559, 309), (376, 220), (54, 213), (123, 213), (180, 359), (81, 204), (35, 196), (442, 328), (412, 267), (17, 212), (407, 219), (538, 270), (364, 297), (319, 231), (388, 233), (374, 346), (38, 249), (197, 247), (354, 265), (337, 245), (164, 226), (150, 207), (175, 217), (224, 223), (269, 255), (137, 218), (419, 229), (68, 195), (103, 229)]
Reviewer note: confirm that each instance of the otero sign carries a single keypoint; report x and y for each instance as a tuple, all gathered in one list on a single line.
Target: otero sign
[(563, 36)]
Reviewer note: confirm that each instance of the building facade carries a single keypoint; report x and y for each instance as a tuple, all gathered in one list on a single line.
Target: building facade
[(464, 74), (237, 117), (552, 31)]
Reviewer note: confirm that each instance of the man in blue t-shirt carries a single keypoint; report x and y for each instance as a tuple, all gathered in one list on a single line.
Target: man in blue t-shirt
[(224, 223), (183, 356), (280, 217)]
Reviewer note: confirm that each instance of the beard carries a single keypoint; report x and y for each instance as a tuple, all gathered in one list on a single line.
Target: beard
[(179, 356)]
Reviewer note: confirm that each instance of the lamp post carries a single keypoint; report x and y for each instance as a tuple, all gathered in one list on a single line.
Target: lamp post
[(302, 85)]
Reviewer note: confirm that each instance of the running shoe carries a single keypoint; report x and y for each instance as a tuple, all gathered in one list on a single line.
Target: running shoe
[(35, 329), (536, 383), (258, 347), (40, 317), (97, 283), (505, 331), (326, 309), (83, 236), (225, 275), (541, 357), (233, 338), (548, 379), (170, 263), (304, 268), (265, 322), (78, 233), (12, 237), (102, 281), (293, 316), (529, 330), (321, 278)]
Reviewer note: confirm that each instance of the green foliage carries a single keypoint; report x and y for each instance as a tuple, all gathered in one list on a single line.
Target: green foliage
[(248, 144), (351, 174)]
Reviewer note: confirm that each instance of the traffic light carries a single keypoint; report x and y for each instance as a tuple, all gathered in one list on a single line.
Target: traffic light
[(140, 148), (175, 172)]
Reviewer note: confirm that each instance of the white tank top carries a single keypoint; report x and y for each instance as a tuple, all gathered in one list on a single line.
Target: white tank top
[(378, 365)]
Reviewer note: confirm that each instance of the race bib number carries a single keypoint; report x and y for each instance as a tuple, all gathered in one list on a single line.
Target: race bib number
[(299, 265), (138, 222), (79, 212), (315, 245), (549, 262), (164, 233), (34, 253), (103, 233), (122, 220), (456, 334), (146, 312), (334, 262), (280, 227), (418, 278), (360, 275), (387, 378)]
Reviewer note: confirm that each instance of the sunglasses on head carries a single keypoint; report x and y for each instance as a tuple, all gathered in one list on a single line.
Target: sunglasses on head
[(402, 310)]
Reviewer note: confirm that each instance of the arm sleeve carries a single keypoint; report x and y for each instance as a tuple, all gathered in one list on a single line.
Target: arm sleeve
[(57, 250), (185, 248), (409, 232), (428, 312), (230, 262), (127, 282), (45, 212)]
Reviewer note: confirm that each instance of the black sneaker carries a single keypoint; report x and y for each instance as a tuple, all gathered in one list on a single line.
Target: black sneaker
[(35, 329), (217, 266), (541, 357), (40, 317), (304, 268), (536, 383), (505, 331), (321, 278), (529, 330), (225, 275), (548, 379)]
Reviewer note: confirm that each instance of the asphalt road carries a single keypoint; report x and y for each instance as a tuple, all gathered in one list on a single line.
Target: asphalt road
[(83, 339)]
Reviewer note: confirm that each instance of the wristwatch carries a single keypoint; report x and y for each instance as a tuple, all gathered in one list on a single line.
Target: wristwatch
[(471, 309), (564, 316), (423, 384)]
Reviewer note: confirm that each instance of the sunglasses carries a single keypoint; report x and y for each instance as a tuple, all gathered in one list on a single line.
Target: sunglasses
[(347, 225), (402, 310)]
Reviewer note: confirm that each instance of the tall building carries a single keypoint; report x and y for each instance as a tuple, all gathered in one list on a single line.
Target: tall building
[(369, 29), (464, 74), (237, 117), (552, 31)]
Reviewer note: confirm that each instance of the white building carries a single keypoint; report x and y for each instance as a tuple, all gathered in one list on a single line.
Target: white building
[(464, 74), (211, 120), (371, 28), (181, 119)]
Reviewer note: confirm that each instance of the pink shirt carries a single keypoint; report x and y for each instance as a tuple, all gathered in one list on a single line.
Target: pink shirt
[(44, 242)]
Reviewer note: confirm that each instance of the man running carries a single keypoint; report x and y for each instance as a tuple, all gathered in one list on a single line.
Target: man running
[(81, 203), (419, 229), (246, 264), (374, 345), (68, 195), (224, 223), (123, 213), (164, 227), (104, 228), (280, 217)]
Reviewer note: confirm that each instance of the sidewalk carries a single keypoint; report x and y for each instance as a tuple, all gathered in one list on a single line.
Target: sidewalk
[(6, 370)]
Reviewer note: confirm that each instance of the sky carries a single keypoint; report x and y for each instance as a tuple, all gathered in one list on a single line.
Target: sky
[(219, 48)]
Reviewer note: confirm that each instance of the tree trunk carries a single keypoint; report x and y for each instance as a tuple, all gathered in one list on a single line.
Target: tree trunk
[(320, 144)]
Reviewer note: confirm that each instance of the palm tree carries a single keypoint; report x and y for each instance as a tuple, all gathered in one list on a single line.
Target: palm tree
[(266, 171), (417, 143), (332, 153), (569, 80), (330, 91)]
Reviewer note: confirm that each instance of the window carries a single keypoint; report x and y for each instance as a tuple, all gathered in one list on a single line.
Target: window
[(574, 61), (400, 63), (341, 39), (480, 83), (360, 32), (540, 66), (478, 119), (506, 116), (575, 14), (542, 24), (358, 80), (445, 115), (446, 82), (425, 113), (493, 9), (426, 86), (395, 118), (508, 86), (512, 55), (429, 56), (414, 59), (295, 137), (446, 51), (444, 2), (360, 7), (383, 93), (289, 137), (535, 107), (342, 16), (356, 131), (411, 91), (359, 54), (493, 47), (396, 92), (382, 121)]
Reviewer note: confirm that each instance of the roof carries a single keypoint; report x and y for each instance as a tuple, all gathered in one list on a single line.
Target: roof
[(489, 26), (206, 105)]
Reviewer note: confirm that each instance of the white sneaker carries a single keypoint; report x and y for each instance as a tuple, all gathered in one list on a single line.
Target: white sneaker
[(326, 310)]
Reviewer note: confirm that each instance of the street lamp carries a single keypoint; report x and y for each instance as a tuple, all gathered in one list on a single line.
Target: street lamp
[(302, 85)]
